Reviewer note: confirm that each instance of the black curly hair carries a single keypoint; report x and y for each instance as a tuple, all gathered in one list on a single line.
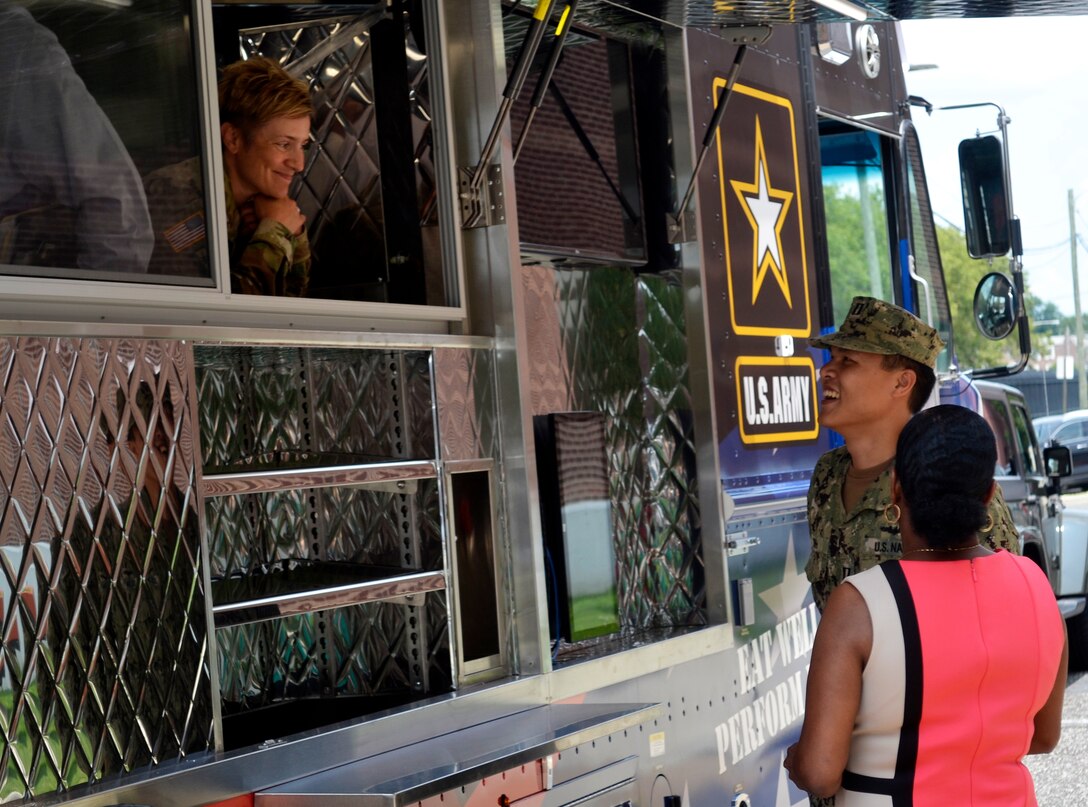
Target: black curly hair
[(944, 462)]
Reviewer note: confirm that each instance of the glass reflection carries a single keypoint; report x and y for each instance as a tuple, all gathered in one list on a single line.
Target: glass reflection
[(94, 98)]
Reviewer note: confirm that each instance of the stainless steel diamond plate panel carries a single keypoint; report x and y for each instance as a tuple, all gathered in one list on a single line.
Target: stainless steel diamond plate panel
[(251, 403), (103, 663), (673, 570), (369, 650), (249, 534), (617, 345), (266, 662), (418, 404), (256, 401), (429, 526), (549, 367), (465, 392)]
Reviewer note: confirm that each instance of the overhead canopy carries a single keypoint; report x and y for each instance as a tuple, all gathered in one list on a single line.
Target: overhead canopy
[(705, 13)]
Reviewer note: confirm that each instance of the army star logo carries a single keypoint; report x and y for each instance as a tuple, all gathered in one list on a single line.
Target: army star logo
[(766, 210)]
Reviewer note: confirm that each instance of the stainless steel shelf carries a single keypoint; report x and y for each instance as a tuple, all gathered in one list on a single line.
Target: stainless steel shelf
[(267, 480), (417, 772), (314, 587)]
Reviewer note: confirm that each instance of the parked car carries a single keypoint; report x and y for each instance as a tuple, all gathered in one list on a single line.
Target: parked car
[(1055, 537), (1071, 431)]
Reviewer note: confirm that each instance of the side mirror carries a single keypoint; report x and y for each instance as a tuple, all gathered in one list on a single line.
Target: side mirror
[(985, 197), (1058, 461), (996, 306)]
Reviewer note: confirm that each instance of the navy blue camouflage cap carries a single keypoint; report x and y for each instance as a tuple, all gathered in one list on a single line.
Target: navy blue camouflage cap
[(876, 326)]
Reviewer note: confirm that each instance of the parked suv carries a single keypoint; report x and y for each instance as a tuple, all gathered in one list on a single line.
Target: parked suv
[(1069, 430), (1054, 537)]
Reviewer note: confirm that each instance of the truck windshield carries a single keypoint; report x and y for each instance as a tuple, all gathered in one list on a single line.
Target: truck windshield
[(932, 297), (856, 212), (856, 189)]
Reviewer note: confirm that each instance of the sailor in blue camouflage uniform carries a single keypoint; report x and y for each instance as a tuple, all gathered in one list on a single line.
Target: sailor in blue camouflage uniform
[(881, 372)]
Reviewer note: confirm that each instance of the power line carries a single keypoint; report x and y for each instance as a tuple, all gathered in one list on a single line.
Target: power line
[(951, 224), (1027, 250)]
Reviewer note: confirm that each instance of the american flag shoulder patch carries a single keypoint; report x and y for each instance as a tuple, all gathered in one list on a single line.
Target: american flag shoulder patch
[(185, 233)]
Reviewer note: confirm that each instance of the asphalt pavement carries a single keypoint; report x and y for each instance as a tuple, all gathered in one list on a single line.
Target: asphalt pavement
[(1061, 777)]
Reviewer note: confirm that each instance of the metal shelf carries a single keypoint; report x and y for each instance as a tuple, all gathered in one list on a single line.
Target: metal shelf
[(315, 587), (323, 474), (417, 772)]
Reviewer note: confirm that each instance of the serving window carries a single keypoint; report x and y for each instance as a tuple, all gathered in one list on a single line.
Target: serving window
[(368, 188), (112, 174), (95, 98)]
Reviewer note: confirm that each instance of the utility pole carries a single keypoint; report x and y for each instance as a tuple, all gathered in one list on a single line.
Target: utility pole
[(1078, 362), (1067, 369)]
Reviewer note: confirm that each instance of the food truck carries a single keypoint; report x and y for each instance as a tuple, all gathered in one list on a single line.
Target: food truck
[(510, 507)]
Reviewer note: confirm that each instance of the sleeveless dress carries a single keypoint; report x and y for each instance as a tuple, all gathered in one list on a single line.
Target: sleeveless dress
[(965, 653)]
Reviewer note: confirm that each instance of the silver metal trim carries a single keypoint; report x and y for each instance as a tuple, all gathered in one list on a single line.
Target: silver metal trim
[(200, 780), (842, 117), (132, 303), (205, 573), (326, 476), (262, 335), (467, 466), (700, 380), (495, 297), (575, 679), (275, 606), (218, 241), (483, 667), (765, 510), (415, 773), (445, 165)]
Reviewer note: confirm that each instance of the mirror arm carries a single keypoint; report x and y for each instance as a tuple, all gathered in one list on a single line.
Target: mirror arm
[(1016, 266)]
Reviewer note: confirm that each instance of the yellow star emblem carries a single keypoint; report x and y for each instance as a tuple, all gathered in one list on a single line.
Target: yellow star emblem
[(766, 209)]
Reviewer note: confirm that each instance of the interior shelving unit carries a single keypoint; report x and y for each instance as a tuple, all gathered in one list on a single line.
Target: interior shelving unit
[(324, 540)]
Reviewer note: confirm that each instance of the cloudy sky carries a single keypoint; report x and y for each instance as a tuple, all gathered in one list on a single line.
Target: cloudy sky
[(1037, 69)]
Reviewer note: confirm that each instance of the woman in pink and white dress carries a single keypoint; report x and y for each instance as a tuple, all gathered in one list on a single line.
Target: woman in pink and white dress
[(933, 675)]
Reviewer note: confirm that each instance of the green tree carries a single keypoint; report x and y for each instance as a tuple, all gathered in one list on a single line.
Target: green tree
[(1047, 312), (961, 275), (848, 254)]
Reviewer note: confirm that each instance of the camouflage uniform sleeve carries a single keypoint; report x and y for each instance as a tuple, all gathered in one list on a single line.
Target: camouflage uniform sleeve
[(1004, 534), (274, 263), (175, 197), (816, 568), (298, 276), (813, 566)]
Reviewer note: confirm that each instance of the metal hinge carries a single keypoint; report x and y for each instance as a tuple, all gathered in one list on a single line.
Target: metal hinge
[(681, 230), (740, 543), (485, 205)]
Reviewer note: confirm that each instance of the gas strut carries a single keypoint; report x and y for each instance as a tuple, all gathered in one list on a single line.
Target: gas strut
[(712, 128), (587, 144), (514, 83), (745, 36), (561, 29)]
